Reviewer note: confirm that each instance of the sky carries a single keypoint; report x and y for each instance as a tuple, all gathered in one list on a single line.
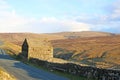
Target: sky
[(49, 16)]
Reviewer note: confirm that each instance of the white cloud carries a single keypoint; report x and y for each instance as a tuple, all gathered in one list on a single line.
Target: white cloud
[(9, 19), (105, 22), (57, 25), (116, 9), (76, 26)]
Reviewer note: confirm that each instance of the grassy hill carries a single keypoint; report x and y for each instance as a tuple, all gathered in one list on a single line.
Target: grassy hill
[(98, 49), (17, 38), (72, 35), (94, 51)]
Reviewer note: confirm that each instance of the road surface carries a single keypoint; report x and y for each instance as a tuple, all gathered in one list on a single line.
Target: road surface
[(25, 72)]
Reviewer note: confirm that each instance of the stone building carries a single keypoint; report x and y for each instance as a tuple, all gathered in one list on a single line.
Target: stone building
[(39, 49), (25, 48)]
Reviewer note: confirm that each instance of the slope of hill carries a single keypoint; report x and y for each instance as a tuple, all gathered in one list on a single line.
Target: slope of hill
[(91, 48), (18, 38), (95, 51)]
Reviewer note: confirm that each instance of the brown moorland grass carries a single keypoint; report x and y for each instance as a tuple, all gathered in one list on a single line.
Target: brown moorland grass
[(18, 38), (5, 76), (103, 51), (82, 34), (11, 48)]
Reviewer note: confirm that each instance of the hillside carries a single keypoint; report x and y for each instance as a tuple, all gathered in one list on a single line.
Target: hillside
[(94, 51), (18, 38), (98, 49)]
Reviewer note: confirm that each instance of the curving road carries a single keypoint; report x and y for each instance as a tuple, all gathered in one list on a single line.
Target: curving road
[(24, 72)]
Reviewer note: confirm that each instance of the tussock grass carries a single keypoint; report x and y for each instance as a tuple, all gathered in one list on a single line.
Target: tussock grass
[(98, 50), (5, 76), (11, 48)]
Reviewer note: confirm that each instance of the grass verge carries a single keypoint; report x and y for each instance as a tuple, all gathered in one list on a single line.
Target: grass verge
[(5, 76)]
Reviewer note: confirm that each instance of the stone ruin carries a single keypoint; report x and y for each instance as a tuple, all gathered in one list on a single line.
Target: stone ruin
[(42, 50)]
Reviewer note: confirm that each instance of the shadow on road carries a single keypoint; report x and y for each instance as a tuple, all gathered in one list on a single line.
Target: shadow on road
[(19, 67), (32, 73), (5, 56), (37, 74)]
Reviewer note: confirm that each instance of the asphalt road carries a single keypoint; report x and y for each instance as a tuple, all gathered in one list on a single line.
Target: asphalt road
[(24, 72)]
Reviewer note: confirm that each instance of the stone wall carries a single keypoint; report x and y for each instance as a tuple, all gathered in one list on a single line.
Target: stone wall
[(78, 70), (43, 53)]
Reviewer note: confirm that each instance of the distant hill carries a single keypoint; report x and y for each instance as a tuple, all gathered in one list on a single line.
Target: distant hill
[(18, 38), (73, 35)]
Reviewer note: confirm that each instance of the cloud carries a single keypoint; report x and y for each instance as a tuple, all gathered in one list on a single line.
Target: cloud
[(103, 22), (76, 26), (9, 19), (116, 9), (52, 24)]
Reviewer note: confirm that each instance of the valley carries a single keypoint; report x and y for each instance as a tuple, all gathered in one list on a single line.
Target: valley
[(72, 52), (97, 49)]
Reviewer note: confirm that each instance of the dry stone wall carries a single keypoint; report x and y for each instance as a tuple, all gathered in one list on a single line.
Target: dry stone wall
[(75, 69)]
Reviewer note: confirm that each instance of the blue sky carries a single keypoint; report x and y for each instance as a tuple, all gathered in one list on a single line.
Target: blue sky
[(48, 16)]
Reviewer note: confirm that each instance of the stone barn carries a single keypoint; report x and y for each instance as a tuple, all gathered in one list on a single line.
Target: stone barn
[(25, 48), (39, 49)]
